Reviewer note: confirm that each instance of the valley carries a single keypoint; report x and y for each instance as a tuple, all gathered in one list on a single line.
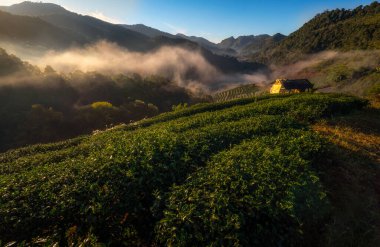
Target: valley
[(121, 134)]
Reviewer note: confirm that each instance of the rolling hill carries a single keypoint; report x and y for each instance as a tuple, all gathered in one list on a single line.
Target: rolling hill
[(207, 174)]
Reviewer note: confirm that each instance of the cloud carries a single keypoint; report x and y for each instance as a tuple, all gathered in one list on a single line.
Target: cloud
[(103, 17), (187, 68)]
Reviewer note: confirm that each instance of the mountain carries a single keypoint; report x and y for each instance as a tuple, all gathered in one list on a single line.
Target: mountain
[(240, 47), (54, 27), (244, 45), (261, 42), (32, 31), (154, 33), (339, 30), (200, 40), (34, 9), (240, 42), (148, 31), (224, 63), (85, 28)]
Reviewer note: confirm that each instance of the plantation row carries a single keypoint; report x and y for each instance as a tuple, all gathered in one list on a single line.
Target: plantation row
[(245, 91), (205, 175), (262, 192)]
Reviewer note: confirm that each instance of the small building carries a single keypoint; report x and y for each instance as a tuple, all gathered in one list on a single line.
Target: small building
[(291, 86)]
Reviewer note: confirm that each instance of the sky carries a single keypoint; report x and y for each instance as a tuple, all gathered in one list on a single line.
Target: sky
[(212, 19)]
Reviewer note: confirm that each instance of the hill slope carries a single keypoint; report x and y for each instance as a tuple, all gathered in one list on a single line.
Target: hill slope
[(148, 31), (85, 28), (50, 26), (338, 29), (208, 175), (245, 45), (11, 64), (34, 32)]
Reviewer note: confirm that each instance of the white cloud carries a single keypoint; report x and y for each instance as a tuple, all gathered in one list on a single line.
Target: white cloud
[(103, 17)]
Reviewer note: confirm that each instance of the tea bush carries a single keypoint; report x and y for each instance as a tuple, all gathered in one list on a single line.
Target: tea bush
[(204, 174)]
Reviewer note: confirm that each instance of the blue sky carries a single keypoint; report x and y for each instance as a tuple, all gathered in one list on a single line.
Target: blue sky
[(212, 19)]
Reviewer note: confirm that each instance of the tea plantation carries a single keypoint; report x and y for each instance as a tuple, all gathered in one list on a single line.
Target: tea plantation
[(246, 172)]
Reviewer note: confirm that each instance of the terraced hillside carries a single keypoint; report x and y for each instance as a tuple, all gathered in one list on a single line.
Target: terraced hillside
[(245, 91), (248, 172)]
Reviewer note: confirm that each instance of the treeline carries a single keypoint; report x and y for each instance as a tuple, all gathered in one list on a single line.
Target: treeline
[(339, 29), (44, 106)]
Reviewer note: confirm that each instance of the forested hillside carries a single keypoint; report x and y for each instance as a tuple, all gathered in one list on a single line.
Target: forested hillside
[(44, 106), (340, 29), (247, 172), (248, 45)]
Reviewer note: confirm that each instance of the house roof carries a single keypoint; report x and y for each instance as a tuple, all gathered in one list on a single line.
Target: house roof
[(297, 84)]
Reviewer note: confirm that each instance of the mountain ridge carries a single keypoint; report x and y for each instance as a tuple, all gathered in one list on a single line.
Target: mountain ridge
[(339, 30), (66, 29)]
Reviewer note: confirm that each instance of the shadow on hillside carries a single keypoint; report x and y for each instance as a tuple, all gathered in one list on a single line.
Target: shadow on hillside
[(351, 175), (365, 121), (353, 184)]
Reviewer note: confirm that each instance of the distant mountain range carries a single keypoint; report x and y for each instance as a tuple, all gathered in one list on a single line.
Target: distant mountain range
[(247, 45), (49, 26), (239, 47), (81, 29)]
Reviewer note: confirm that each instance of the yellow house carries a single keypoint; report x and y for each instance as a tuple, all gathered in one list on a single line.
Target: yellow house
[(291, 86)]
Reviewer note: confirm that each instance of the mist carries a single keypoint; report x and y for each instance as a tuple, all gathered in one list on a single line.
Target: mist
[(186, 68), (291, 70)]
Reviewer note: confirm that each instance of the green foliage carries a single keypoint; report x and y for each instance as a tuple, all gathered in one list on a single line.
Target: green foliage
[(179, 107), (339, 29), (262, 192), (245, 91), (223, 168), (84, 101), (374, 91), (101, 105)]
